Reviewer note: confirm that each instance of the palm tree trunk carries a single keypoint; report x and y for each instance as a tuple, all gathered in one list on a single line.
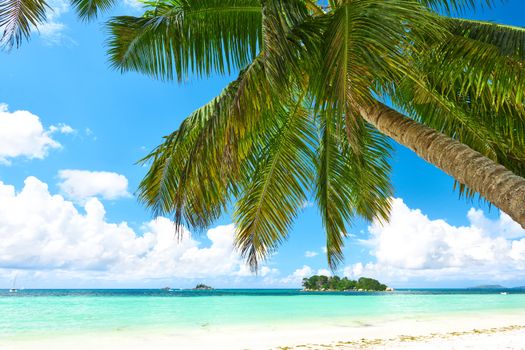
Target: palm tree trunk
[(493, 181)]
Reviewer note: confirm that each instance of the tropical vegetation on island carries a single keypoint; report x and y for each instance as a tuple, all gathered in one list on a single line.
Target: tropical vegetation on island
[(202, 286), (319, 91), (336, 283)]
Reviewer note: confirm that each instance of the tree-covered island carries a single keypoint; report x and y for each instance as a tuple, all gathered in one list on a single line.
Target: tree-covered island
[(335, 283), (202, 286)]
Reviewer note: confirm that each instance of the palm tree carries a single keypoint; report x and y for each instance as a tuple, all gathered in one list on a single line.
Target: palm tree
[(305, 113), (308, 112)]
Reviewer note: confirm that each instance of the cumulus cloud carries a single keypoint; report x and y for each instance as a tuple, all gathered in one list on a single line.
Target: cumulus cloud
[(23, 135), (42, 232), (62, 128), (80, 185), (307, 204), (411, 245), (324, 272), (52, 31), (297, 276), (134, 4), (310, 254)]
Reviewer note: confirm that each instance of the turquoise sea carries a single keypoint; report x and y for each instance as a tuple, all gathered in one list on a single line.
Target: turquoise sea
[(39, 313)]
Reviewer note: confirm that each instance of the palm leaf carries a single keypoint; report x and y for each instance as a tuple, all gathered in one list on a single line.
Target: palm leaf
[(281, 173), (457, 6), (510, 40), (178, 37), (195, 171), (18, 18), (363, 46), (470, 87), (352, 180), (90, 9)]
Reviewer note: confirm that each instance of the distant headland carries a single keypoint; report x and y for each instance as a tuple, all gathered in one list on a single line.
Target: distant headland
[(496, 286), (488, 286), (338, 284)]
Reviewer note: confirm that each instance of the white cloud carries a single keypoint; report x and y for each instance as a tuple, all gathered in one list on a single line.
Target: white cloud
[(52, 31), (62, 128), (23, 135), (134, 4), (503, 227), (47, 234), (412, 246), (310, 254), (297, 276), (324, 272), (307, 204), (305, 271), (354, 271), (83, 184)]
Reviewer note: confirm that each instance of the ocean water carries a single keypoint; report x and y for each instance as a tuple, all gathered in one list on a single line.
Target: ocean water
[(45, 313)]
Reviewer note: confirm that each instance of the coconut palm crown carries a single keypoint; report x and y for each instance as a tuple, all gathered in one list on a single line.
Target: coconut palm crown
[(308, 116), (296, 124)]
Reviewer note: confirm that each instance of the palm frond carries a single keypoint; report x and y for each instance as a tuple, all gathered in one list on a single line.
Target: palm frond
[(281, 50), (195, 171), (177, 37), (470, 87), (18, 18), (458, 6), (370, 172), (477, 59), (332, 195), (179, 182), (510, 40), (281, 171), (364, 43), (352, 180), (477, 71), (90, 9)]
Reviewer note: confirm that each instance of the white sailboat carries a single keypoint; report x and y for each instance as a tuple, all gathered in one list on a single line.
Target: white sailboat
[(13, 290)]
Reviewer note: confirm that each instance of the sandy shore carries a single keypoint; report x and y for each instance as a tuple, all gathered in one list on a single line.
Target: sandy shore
[(483, 331)]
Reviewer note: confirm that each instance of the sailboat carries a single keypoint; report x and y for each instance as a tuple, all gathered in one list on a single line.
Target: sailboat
[(13, 290)]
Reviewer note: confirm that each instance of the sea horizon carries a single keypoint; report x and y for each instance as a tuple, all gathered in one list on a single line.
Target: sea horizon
[(520, 289)]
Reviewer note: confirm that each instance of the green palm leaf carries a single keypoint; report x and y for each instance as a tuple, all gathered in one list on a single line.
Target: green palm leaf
[(363, 46), (18, 18), (90, 9), (457, 6), (510, 40), (352, 180), (276, 191), (471, 87), (188, 177), (195, 171), (178, 37)]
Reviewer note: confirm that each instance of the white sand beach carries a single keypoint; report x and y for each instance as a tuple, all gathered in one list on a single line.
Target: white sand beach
[(504, 331)]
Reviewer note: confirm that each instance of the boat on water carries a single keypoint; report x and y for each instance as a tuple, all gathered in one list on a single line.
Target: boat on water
[(13, 289), (503, 293)]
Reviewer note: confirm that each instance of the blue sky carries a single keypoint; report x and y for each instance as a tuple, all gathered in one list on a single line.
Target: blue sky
[(63, 77)]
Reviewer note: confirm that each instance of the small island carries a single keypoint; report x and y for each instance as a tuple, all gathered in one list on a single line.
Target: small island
[(337, 284), (201, 286)]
